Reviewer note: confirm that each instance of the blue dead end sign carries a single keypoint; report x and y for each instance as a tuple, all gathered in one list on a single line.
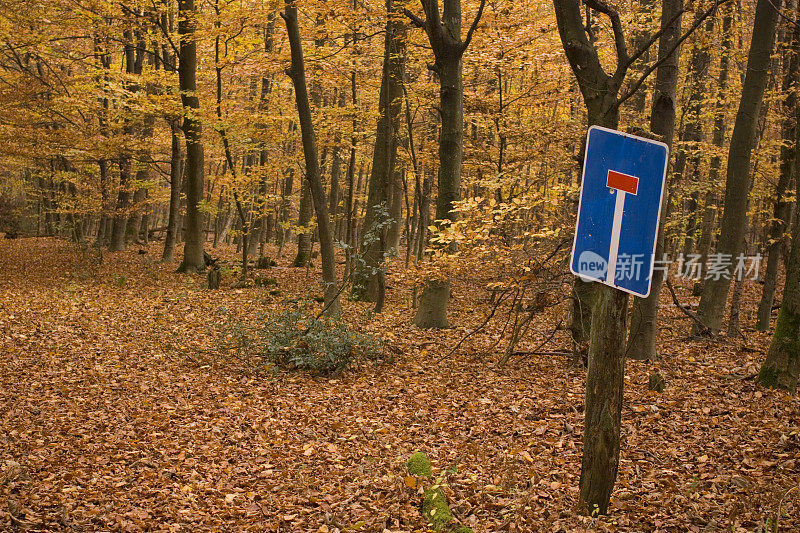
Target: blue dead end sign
[(619, 208)]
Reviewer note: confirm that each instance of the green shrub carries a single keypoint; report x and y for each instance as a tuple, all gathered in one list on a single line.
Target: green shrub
[(294, 339)]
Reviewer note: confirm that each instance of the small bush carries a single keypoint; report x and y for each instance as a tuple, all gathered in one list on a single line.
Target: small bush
[(296, 340)]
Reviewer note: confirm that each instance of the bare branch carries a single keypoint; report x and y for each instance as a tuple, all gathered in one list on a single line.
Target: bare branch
[(415, 20), (677, 44), (616, 26), (704, 330), (781, 15), (472, 28), (656, 36)]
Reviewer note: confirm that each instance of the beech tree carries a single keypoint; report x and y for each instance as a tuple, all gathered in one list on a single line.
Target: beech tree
[(298, 74), (193, 259), (444, 35), (384, 156), (175, 180), (605, 377), (783, 206), (133, 67), (687, 160), (719, 129), (712, 306), (606, 360), (781, 368), (644, 319)]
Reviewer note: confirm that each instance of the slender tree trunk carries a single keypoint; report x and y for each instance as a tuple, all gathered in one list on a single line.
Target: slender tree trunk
[(715, 291), (133, 228), (693, 131), (644, 319), (100, 239), (736, 303), (244, 220), (336, 174), (709, 225), (782, 364), (193, 259), (264, 223), (384, 158), (123, 202), (118, 233), (104, 60), (396, 198), (445, 38), (286, 204), (175, 180), (144, 133), (298, 75), (303, 221), (782, 207), (349, 205)]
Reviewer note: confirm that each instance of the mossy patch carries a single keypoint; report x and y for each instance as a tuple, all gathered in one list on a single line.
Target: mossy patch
[(419, 465), (768, 376), (779, 370), (435, 508)]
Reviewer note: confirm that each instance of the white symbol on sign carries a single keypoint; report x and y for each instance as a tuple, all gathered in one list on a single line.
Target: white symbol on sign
[(621, 184)]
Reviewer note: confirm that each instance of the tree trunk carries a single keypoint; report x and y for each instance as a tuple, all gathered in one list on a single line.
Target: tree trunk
[(693, 131), (384, 158), (286, 204), (298, 75), (101, 237), (336, 174), (134, 224), (644, 319), (396, 199), (118, 233), (264, 223), (123, 202), (782, 207), (303, 220), (715, 291), (782, 364), (193, 259), (175, 180), (349, 204), (448, 49), (604, 390), (709, 225), (736, 303), (606, 358)]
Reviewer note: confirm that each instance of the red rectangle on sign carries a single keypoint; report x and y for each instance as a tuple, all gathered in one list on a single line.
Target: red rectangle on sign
[(623, 182)]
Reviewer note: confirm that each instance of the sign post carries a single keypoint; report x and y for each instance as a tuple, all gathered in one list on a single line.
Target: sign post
[(618, 213), (615, 240)]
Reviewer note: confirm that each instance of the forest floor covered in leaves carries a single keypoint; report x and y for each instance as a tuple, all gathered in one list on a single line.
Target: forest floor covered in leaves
[(118, 412)]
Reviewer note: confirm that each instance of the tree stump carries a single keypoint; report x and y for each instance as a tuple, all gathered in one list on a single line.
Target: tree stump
[(656, 383), (214, 276), (265, 262)]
